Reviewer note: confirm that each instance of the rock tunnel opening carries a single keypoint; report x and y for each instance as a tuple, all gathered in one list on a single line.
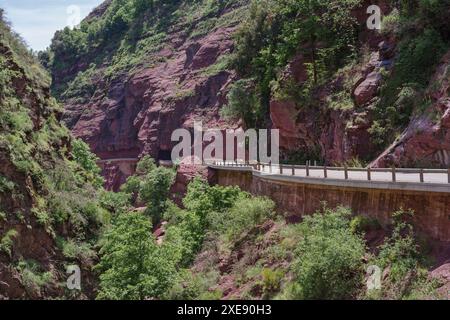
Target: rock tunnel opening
[(165, 155)]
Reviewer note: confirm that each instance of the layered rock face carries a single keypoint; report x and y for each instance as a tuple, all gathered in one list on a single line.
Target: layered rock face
[(139, 112)]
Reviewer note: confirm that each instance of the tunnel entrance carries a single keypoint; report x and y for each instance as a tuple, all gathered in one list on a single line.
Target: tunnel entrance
[(165, 155)]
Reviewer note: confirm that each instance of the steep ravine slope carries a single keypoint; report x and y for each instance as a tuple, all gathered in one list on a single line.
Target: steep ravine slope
[(42, 216)]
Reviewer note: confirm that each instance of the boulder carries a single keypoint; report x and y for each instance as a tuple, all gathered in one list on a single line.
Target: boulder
[(368, 89)]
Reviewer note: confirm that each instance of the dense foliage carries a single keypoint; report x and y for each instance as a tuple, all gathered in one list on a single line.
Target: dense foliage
[(324, 257), (132, 265), (423, 41), (130, 257), (321, 30), (49, 183), (329, 264)]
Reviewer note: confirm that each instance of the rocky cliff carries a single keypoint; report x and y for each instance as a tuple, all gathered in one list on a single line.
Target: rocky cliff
[(129, 88), (185, 78), (426, 140), (41, 213)]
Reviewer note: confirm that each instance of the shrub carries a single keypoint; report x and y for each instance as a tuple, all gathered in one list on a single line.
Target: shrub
[(88, 161), (400, 252), (131, 187), (7, 241), (33, 277), (186, 230), (82, 87), (6, 185), (362, 224), (245, 214), (204, 205), (188, 287), (329, 258), (81, 251), (145, 166), (419, 55), (203, 199), (116, 202), (242, 103), (271, 280), (391, 23)]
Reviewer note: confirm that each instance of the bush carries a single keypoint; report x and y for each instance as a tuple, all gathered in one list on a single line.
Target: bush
[(193, 286), (419, 55), (33, 277), (400, 252), (6, 185), (206, 207), (117, 202), (145, 166), (362, 224), (203, 199), (7, 241), (242, 103), (329, 258), (244, 215), (271, 280), (132, 265), (74, 250)]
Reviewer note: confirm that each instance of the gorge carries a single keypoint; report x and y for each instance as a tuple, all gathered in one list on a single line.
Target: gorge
[(87, 176)]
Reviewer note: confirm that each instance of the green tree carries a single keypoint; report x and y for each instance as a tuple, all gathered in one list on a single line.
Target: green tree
[(145, 166), (83, 156), (322, 30), (132, 265), (242, 103), (203, 199), (400, 251), (155, 191)]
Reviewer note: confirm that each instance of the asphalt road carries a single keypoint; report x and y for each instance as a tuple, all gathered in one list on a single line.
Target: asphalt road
[(436, 178)]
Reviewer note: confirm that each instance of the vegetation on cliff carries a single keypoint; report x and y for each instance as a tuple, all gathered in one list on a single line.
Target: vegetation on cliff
[(221, 243), (328, 40), (49, 191), (225, 243), (125, 38), (326, 34), (275, 31)]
